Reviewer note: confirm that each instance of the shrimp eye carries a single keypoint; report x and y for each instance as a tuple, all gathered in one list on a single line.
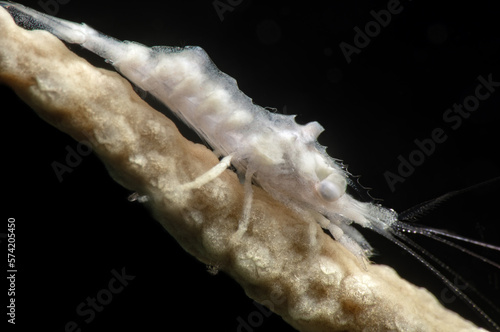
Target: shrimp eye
[(328, 190)]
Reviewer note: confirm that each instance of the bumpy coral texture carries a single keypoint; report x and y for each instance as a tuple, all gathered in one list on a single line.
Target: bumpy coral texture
[(284, 260)]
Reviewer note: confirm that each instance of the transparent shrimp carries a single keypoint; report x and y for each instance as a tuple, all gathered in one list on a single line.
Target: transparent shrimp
[(294, 169), (268, 149)]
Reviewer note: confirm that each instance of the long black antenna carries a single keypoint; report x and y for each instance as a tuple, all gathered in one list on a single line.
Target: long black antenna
[(436, 272), (421, 209), (431, 233)]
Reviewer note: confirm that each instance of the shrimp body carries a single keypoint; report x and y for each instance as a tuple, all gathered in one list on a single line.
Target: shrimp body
[(281, 156)]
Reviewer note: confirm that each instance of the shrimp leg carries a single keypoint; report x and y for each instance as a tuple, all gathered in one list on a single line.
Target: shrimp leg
[(247, 205), (208, 176), (200, 181)]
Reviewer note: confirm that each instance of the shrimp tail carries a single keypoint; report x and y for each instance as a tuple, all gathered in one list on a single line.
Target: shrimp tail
[(70, 32)]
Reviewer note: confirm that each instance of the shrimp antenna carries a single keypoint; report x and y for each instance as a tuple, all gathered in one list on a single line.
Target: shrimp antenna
[(405, 243), (431, 233), (421, 209), (436, 234)]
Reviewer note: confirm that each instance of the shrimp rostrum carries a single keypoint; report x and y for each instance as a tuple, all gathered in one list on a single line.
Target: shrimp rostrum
[(269, 149)]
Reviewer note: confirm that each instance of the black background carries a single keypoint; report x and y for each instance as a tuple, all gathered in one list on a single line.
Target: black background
[(70, 235)]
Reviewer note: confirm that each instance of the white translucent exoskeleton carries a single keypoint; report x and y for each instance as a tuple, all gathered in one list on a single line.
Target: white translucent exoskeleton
[(294, 169), (270, 149)]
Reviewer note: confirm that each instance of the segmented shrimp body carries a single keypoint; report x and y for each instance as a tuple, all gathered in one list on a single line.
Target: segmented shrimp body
[(280, 155), (271, 149)]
